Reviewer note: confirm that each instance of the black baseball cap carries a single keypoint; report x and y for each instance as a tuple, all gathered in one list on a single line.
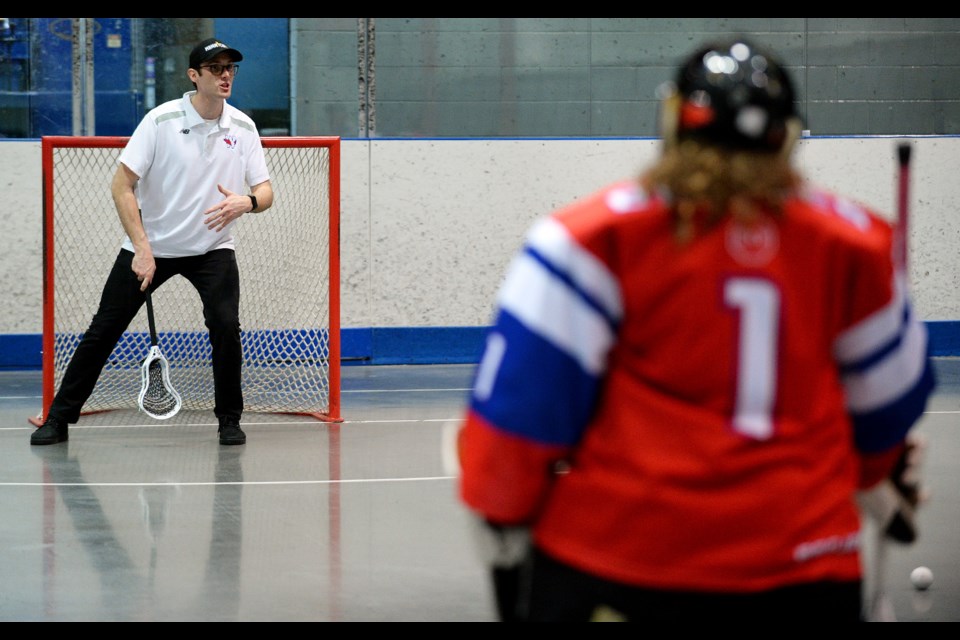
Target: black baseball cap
[(209, 48)]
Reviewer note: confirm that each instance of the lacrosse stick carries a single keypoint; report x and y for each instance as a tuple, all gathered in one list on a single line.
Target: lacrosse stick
[(158, 399), (888, 496)]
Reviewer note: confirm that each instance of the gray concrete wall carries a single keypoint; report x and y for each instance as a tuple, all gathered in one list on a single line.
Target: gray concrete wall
[(594, 77)]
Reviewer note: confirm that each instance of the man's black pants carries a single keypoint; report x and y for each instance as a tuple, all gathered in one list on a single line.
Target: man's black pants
[(216, 278)]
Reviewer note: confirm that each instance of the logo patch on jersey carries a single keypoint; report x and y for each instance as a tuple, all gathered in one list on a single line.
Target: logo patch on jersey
[(753, 245), (230, 141)]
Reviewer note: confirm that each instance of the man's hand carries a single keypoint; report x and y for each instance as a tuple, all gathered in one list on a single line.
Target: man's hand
[(229, 209), (144, 266)]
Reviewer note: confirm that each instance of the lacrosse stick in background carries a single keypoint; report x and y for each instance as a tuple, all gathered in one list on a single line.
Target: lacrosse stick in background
[(903, 206), (891, 505)]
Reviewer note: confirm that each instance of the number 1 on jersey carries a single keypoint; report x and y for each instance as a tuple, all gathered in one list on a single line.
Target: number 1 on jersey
[(758, 303)]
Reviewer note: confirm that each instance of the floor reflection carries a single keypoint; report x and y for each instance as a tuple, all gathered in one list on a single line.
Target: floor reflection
[(128, 586)]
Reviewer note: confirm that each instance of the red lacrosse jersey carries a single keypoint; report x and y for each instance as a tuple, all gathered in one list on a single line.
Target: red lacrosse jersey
[(693, 416)]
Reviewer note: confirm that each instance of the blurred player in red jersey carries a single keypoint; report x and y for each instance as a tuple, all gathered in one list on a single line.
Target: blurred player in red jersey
[(692, 377)]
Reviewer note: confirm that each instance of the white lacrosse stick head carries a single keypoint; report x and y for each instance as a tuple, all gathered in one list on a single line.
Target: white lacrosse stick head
[(158, 399)]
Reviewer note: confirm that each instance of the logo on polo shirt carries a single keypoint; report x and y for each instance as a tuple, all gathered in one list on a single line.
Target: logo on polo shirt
[(230, 141)]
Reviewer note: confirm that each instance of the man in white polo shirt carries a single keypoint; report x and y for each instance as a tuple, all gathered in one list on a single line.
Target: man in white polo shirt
[(178, 189)]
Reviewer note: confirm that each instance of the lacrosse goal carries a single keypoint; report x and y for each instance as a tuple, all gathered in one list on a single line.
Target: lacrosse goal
[(289, 262)]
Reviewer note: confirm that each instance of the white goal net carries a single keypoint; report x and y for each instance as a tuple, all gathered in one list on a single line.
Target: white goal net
[(289, 268)]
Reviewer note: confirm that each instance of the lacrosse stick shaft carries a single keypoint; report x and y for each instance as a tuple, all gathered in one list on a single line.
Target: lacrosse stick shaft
[(153, 326), (903, 200), (881, 608)]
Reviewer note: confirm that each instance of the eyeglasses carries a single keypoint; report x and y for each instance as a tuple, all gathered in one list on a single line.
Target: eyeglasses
[(218, 69)]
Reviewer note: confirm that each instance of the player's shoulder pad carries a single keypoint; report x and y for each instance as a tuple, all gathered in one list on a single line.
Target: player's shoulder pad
[(842, 208), (626, 197)]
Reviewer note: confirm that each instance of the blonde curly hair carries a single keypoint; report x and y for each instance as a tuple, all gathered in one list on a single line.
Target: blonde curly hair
[(706, 183)]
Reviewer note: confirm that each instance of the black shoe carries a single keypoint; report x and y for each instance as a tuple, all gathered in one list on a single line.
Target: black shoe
[(51, 432), (230, 432)]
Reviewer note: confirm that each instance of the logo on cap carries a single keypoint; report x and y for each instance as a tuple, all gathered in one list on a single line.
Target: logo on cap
[(215, 45)]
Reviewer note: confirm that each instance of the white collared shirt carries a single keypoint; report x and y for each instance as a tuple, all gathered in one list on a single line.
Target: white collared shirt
[(180, 159)]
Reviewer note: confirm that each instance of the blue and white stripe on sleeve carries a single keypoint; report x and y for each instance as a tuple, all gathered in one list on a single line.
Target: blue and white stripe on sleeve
[(886, 372), (558, 313)]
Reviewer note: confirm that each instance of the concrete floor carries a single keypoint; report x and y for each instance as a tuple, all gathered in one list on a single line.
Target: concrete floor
[(139, 520)]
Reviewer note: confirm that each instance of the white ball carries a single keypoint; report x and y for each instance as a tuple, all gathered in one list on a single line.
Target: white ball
[(922, 578)]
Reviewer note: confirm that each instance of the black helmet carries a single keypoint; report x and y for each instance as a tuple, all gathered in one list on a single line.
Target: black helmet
[(734, 95)]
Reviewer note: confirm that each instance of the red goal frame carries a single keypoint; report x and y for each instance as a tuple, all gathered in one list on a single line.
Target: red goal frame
[(332, 143)]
